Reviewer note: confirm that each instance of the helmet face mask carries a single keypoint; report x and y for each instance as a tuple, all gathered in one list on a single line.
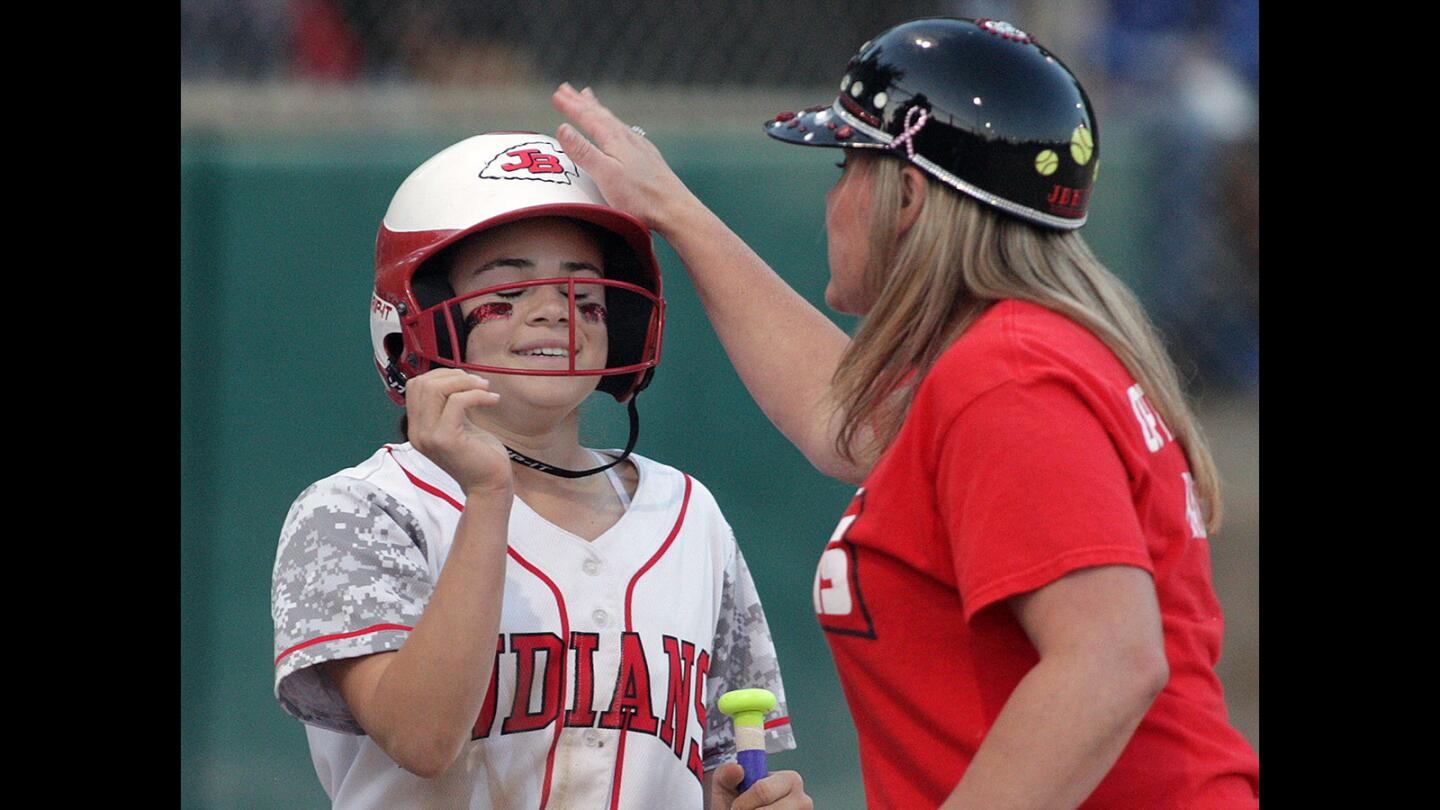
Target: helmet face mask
[(976, 104), (619, 307), (480, 184)]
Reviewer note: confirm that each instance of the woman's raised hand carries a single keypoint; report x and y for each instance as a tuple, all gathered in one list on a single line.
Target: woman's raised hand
[(631, 172)]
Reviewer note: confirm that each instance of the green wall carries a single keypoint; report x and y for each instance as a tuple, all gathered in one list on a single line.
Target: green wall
[(278, 390)]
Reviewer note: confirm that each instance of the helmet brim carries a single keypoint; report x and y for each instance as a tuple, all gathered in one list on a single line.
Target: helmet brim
[(818, 126)]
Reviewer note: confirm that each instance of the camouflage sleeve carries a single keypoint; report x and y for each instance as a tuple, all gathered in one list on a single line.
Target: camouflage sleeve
[(743, 657), (350, 579)]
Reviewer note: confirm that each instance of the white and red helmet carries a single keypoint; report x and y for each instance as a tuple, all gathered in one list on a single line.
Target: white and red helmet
[(478, 183)]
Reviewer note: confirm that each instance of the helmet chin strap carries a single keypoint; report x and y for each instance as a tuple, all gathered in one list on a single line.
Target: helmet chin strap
[(536, 464)]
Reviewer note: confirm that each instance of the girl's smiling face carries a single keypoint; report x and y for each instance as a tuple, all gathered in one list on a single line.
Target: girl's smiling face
[(529, 327)]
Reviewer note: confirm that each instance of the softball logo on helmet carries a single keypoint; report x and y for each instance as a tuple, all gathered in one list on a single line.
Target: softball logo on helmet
[(1046, 162), (1081, 145), (534, 160)]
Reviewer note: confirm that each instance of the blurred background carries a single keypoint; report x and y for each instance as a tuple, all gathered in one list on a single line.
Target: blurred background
[(299, 118)]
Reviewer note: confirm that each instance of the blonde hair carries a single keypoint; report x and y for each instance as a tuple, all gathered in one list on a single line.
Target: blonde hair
[(957, 259)]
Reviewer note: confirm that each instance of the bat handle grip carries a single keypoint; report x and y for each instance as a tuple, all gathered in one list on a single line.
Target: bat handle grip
[(747, 707), (753, 761)]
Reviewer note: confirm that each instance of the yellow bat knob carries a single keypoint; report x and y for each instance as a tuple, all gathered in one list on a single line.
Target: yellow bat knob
[(747, 707)]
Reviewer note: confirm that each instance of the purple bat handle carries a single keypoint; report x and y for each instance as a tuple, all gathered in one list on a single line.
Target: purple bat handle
[(753, 761)]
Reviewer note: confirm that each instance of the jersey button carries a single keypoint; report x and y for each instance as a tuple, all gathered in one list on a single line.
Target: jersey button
[(591, 567), (601, 617), (592, 738)]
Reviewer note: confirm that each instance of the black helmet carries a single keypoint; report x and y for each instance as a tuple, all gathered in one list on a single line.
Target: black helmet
[(977, 104)]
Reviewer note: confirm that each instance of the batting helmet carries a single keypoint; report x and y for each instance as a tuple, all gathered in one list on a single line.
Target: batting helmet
[(479, 183), (977, 104)]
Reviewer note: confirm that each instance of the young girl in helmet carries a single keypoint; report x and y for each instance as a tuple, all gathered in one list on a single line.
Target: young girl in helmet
[(1018, 598), (490, 614)]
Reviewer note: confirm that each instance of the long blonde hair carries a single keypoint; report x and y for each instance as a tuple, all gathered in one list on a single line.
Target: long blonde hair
[(957, 259)]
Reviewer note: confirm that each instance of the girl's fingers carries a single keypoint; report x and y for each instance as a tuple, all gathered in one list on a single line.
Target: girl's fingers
[(428, 394), (452, 415), (445, 382)]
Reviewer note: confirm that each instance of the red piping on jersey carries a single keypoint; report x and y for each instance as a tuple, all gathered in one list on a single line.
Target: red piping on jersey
[(559, 604), (629, 628), (375, 628), (428, 487), (565, 634), (674, 530)]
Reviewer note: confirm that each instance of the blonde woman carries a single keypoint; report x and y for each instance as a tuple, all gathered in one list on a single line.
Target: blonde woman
[(1018, 597)]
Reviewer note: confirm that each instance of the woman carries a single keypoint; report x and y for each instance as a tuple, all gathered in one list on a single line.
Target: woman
[(1018, 597), (489, 614)]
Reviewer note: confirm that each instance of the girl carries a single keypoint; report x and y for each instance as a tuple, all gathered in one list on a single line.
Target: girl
[(489, 614)]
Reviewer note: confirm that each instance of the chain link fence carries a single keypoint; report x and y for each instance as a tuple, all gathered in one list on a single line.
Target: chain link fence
[(726, 43)]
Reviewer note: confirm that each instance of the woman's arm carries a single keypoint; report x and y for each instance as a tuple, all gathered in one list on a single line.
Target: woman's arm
[(1102, 663), (784, 349), (419, 703)]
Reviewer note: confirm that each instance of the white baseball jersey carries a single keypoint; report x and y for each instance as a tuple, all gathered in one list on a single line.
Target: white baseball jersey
[(610, 657)]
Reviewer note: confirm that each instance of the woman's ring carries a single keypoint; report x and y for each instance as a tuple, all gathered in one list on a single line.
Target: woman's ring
[(637, 131)]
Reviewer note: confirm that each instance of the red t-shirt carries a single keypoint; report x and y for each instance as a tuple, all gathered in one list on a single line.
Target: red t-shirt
[(1028, 452)]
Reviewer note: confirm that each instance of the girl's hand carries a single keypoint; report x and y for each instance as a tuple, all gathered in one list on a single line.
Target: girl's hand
[(436, 404), (782, 790)]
